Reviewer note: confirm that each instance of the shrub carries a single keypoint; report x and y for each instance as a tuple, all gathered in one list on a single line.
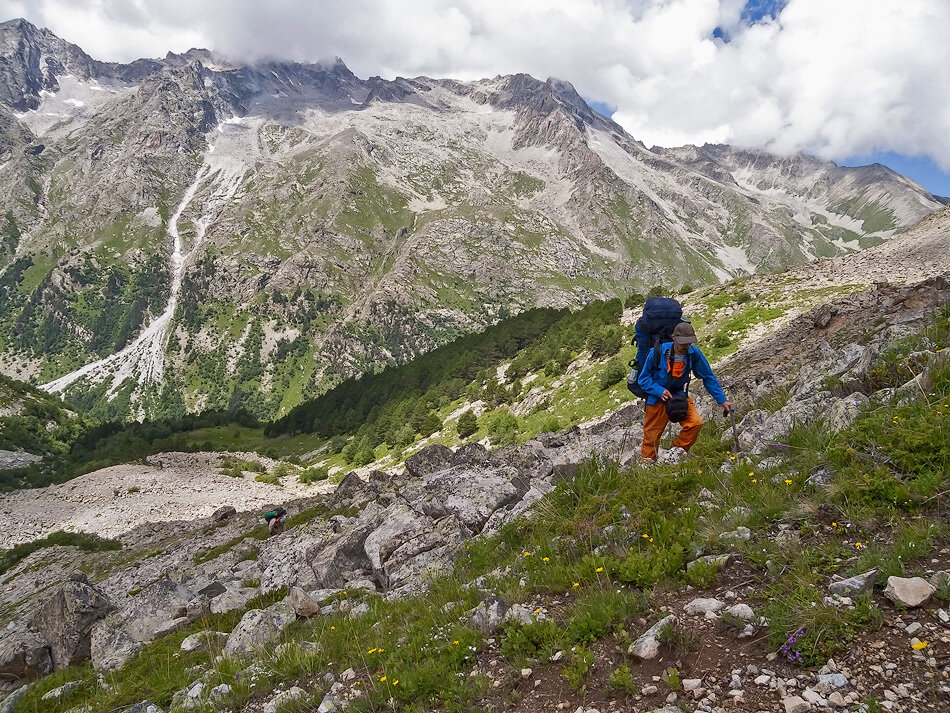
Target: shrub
[(538, 641), (269, 478), (621, 679), (604, 341), (313, 474), (614, 371), (597, 613), (634, 300), (467, 424), (579, 667), (284, 469), (364, 456), (502, 427), (430, 424), (550, 424)]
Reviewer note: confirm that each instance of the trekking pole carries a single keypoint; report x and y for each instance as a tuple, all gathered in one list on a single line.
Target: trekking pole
[(735, 433)]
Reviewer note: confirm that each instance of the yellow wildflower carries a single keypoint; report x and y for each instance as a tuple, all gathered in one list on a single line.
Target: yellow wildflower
[(396, 682), (576, 584), (372, 650), (600, 569), (382, 679), (919, 645), (537, 611), (546, 559), (527, 554), (788, 482)]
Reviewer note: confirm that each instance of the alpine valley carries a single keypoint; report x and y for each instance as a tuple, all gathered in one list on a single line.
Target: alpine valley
[(191, 234)]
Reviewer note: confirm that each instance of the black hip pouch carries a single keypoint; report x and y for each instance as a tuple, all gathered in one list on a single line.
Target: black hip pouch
[(677, 407)]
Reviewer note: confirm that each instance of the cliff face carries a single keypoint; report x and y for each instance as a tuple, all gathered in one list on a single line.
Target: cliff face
[(284, 226)]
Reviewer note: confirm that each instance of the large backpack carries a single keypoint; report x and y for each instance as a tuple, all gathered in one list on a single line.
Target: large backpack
[(654, 328)]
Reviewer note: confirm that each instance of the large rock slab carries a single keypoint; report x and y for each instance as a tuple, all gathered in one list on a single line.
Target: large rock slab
[(473, 495), (422, 555), (259, 627), (24, 655), (159, 609), (66, 619), (429, 460)]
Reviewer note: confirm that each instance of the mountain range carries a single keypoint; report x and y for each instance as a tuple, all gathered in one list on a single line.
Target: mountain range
[(193, 233)]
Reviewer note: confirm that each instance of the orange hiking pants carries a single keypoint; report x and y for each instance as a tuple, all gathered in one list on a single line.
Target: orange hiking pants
[(654, 423)]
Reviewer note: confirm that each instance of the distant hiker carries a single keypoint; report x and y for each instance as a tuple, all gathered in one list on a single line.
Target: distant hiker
[(665, 380), (276, 519)]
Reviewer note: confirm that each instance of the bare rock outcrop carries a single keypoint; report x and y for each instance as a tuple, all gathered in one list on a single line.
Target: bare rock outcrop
[(66, 619)]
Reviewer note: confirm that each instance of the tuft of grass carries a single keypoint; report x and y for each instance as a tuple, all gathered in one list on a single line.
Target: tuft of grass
[(579, 667), (85, 541)]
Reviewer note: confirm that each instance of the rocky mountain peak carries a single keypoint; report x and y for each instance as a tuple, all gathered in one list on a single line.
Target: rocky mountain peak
[(32, 59)]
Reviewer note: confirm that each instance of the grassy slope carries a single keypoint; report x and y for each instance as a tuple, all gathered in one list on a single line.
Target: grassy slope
[(601, 555)]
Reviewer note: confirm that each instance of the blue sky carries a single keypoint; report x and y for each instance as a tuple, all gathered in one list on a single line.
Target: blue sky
[(921, 168)]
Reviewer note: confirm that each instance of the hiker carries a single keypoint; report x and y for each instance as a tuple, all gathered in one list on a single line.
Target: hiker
[(667, 393), (276, 519)]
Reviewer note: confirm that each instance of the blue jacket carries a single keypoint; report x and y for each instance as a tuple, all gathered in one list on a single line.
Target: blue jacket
[(654, 381)]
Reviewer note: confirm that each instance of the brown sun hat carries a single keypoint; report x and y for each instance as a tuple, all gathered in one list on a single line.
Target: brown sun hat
[(684, 333)]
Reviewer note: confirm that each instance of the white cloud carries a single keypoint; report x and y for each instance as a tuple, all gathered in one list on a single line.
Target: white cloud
[(833, 78)]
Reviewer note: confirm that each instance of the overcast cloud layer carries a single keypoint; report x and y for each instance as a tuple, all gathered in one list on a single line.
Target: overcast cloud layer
[(833, 78)]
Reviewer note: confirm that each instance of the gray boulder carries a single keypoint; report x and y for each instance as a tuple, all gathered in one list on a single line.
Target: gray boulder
[(223, 513), (854, 586), (472, 495), (908, 592), (843, 411), (417, 559), (471, 454), (9, 704), (64, 691), (647, 646), (24, 656), (489, 615), (429, 460), (66, 619), (111, 645), (259, 627), (204, 639), (303, 604), (281, 700)]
